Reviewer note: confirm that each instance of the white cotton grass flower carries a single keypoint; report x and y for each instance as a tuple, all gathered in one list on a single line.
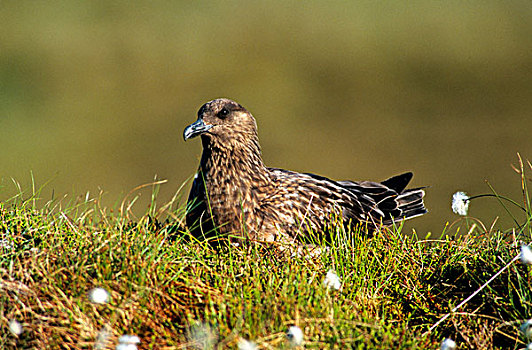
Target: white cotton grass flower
[(448, 344), (202, 336), (129, 339), (15, 327), (98, 296), (332, 280), (526, 255), (6, 244), (244, 344), (460, 203), (526, 328), (127, 342), (103, 338), (294, 336)]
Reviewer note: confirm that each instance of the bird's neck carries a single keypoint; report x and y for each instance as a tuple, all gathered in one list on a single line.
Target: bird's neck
[(234, 167)]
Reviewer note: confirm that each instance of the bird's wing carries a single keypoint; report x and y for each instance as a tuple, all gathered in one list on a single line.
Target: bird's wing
[(380, 199), (198, 216), (364, 201), (314, 191)]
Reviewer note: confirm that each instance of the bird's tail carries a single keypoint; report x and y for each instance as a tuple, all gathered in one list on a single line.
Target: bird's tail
[(387, 202), (404, 203), (410, 202)]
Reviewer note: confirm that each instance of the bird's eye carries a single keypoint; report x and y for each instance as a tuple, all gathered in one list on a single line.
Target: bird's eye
[(223, 113)]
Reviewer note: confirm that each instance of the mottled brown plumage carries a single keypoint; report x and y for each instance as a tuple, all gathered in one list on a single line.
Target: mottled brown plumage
[(235, 194)]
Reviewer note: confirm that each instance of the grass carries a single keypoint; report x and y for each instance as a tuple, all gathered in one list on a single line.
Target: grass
[(176, 293)]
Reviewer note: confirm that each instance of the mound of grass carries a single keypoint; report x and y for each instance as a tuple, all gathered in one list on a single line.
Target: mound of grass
[(176, 293)]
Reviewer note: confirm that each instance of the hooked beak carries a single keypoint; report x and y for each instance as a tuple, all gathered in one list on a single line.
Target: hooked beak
[(195, 129)]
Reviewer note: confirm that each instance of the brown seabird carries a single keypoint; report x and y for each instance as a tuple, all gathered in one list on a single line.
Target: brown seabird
[(235, 195)]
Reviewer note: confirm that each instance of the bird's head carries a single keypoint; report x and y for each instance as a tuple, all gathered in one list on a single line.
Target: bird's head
[(224, 122)]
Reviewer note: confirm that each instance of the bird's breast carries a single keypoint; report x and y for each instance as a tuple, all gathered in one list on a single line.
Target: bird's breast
[(233, 196)]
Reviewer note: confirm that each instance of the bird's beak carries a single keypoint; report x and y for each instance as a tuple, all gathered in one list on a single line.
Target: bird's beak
[(195, 129)]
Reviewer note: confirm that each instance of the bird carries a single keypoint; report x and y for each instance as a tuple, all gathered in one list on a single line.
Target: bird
[(235, 195)]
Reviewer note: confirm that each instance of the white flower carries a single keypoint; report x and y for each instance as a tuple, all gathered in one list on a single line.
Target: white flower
[(526, 328), (202, 336), (15, 327), (526, 255), (295, 336), (448, 344), (121, 346), (244, 344), (102, 339), (129, 339), (460, 203), (529, 347), (6, 244), (98, 296), (332, 280), (128, 342)]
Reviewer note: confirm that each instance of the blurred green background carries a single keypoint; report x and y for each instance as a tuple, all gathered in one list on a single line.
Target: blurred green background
[(95, 94)]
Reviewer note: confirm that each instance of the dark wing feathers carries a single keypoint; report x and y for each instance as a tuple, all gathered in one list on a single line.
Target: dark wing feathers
[(411, 203), (387, 201), (197, 218), (398, 183)]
